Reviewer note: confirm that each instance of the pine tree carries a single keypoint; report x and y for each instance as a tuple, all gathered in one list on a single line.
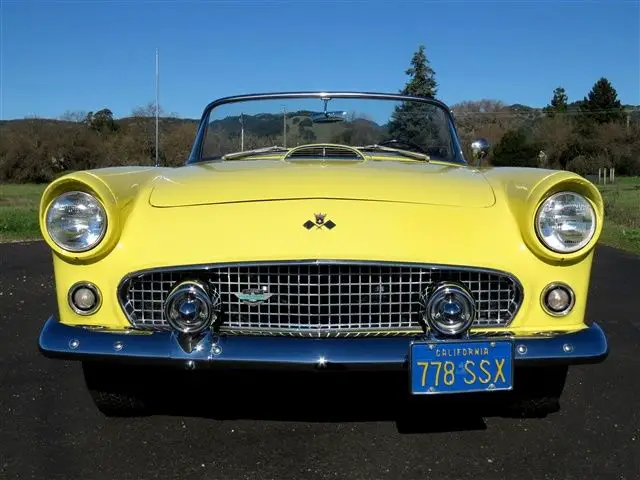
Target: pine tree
[(601, 105), (422, 82), (558, 102), (410, 122)]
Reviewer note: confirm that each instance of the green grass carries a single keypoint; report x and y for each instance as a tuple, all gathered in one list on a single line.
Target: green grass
[(622, 214), (19, 212)]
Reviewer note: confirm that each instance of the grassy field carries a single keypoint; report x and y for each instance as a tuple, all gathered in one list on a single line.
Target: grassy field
[(19, 207), (19, 212), (622, 214)]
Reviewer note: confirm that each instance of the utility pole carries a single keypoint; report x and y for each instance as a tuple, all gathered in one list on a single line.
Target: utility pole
[(157, 106)]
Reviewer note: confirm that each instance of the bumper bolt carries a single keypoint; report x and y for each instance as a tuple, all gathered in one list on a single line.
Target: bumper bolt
[(567, 347), (216, 350), (118, 346), (190, 365), (73, 344), (521, 349)]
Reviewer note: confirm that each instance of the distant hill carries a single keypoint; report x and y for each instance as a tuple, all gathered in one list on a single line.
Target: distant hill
[(169, 120), (124, 121), (269, 124), (572, 108), (518, 107)]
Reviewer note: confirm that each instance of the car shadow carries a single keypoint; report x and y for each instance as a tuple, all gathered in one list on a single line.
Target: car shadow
[(311, 397)]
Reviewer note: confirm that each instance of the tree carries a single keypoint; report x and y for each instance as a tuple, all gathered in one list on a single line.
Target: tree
[(101, 121), (555, 136), (422, 82), (411, 122), (485, 118), (580, 165), (74, 116), (148, 110), (176, 143), (515, 150), (558, 102), (601, 105)]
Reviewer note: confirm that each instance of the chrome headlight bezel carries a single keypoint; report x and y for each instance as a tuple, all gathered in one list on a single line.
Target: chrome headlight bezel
[(94, 289), (205, 307), (88, 199), (557, 245), (455, 295), (569, 291)]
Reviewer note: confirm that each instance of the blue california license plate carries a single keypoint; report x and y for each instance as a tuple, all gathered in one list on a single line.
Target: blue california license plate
[(460, 366)]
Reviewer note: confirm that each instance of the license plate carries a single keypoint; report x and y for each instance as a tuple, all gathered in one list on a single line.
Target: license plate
[(459, 367)]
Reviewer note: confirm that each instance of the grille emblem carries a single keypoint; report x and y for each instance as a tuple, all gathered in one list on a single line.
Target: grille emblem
[(253, 296), (319, 222)]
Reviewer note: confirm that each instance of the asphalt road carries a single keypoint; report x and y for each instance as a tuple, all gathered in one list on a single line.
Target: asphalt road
[(335, 428)]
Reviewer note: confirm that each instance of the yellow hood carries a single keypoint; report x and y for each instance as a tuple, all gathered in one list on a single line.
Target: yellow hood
[(263, 180)]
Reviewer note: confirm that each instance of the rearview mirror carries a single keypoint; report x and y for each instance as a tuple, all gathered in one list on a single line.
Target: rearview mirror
[(329, 117)]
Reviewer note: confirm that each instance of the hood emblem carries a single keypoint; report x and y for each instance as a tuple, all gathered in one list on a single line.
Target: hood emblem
[(319, 222), (253, 296)]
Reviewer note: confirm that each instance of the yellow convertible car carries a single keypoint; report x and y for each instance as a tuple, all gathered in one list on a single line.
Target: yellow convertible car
[(326, 230)]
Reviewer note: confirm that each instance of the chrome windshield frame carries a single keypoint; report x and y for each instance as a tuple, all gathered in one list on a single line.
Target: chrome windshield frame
[(195, 156)]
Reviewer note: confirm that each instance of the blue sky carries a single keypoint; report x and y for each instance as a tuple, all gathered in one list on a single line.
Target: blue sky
[(59, 55)]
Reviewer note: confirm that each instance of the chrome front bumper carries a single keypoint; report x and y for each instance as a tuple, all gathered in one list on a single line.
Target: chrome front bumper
[(80, 343)]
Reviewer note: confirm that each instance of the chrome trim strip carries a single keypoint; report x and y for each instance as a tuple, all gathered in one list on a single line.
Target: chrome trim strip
[(267, 263), (319, 333), (58, 340), (122, 286)]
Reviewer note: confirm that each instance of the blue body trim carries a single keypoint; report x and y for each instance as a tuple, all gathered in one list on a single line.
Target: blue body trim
[(79, 343)]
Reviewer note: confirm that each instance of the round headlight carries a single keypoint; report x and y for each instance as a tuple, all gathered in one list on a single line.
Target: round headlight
[(565, 222), (76, 221)]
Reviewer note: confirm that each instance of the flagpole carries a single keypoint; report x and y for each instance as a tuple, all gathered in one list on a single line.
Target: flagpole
[(157, 106)]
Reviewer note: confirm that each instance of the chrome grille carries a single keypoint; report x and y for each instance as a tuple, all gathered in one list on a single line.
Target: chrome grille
[(318, 299)]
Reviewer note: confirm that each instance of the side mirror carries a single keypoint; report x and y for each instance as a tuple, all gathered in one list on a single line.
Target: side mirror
[(480, 149)]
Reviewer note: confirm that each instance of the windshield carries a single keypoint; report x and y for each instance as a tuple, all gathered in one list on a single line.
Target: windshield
[(380, 128)]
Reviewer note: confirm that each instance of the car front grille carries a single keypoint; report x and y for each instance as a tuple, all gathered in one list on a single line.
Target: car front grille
[(321, 298)]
